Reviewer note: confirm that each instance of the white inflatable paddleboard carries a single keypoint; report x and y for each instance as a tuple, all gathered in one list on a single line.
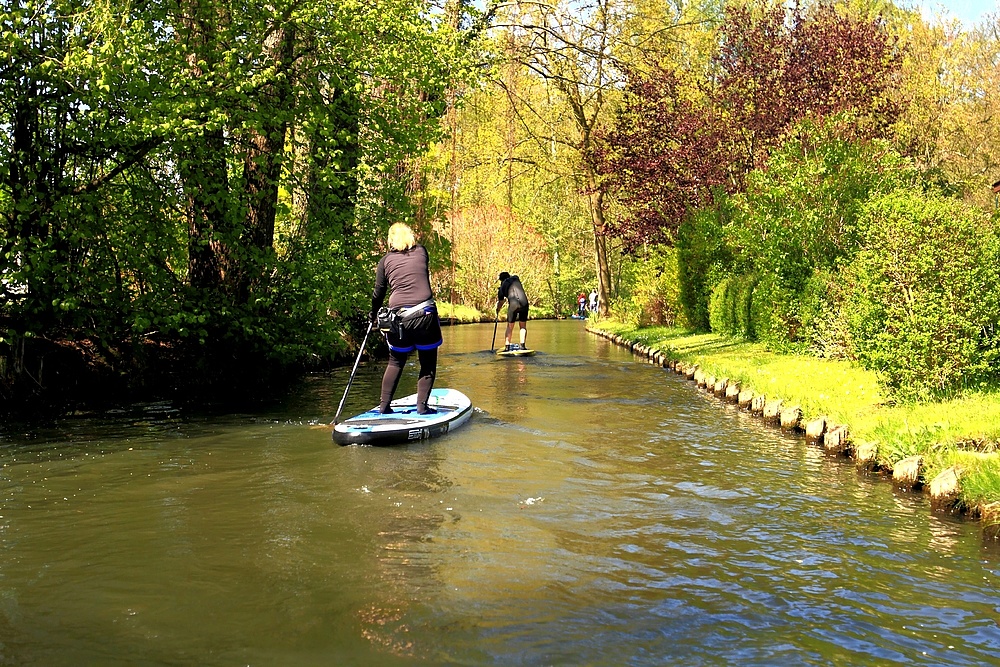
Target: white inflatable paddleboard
[(403, 424)]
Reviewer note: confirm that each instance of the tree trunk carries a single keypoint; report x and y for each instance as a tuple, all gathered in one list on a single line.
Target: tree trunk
[(263, 159), (596, 202), (202, 166), (264, 156)]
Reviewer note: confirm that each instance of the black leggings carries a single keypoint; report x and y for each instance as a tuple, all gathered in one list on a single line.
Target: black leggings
[(425, 380)]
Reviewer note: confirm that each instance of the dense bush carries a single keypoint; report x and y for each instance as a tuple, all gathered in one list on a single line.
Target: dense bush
[(774, 316), (701, 256), (920, 301), (761, 309), (823, 332), (720, 317), (648, 291), (731, 305), (801, 212), (797, 221)]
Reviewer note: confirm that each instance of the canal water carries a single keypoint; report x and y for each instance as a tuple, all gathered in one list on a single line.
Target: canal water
[(594, 511)]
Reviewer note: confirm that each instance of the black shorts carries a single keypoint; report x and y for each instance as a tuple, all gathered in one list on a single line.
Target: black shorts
[(517, 312), (416, 333)]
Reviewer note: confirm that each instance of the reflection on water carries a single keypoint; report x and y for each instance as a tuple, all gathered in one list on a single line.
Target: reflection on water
[(595, 510)]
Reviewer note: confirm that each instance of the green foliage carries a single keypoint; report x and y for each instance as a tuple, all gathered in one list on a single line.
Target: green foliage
[(900, 441), (980, 479), (461, 313), (720, 315), (798, 219), (801, 213), (774, 316), (757, 309), (920, 300), (208, 178), (648, 292), (823, 332), (731, 306), (701, 254)]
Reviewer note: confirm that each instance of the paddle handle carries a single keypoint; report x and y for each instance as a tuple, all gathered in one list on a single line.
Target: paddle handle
[(353, 371), (493, 343)]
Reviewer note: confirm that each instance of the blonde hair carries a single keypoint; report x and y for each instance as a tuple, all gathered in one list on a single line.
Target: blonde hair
[(401, 237)]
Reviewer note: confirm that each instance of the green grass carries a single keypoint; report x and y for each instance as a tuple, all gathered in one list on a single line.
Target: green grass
[(468, 314), (980, 476), (963, 431), (460, 313), (837, 390)]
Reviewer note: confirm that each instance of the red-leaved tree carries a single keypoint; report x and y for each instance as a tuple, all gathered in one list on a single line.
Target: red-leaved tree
[(664, 154), (772, 68)]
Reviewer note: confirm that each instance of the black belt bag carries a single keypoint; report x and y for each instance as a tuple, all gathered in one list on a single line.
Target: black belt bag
[(422, 308), (388, 319)]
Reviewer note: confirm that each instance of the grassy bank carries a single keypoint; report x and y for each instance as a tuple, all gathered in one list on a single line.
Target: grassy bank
[(460, 314), (962, 433)]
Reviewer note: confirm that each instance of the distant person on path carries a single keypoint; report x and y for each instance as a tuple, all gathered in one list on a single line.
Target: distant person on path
[(404, 272), (517, 308), (593, 301), (581, 302)]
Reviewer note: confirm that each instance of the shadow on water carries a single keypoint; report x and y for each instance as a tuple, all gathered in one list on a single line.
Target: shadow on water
[(594, 510)]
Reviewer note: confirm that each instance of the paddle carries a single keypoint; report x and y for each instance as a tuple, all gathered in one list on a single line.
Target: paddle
[(353, 371), (493, 343)]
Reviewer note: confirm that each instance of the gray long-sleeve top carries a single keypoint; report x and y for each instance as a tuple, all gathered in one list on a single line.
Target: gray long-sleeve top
[(407, 274)]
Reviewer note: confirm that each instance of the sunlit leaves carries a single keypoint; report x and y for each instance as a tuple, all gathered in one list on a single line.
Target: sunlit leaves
[(951, 100), (663, 156), (772, 68), (136, 137)]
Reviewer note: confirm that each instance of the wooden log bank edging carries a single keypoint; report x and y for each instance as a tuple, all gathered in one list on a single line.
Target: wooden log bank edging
[(834, 439)]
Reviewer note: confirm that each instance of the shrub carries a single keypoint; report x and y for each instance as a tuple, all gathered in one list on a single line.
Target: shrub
[(730, 306), (742, 305), (648, 292), (774, 318), (920, 300), (798, 219), (823, 331), (801, 212), (719, 316), (701, 252)]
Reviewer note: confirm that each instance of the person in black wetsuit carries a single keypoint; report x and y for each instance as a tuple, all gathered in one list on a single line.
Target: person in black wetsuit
[(517, 308), (405, 274)]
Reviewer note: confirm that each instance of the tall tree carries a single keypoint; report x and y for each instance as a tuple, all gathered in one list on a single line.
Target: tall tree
[(155, 160), (582, 52), (571, 47), (951, 100), (773, 67), (663, 156), (199, 29), (66, 138)]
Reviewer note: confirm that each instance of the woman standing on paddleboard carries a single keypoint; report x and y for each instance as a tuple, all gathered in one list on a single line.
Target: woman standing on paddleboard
[(405, 274)]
